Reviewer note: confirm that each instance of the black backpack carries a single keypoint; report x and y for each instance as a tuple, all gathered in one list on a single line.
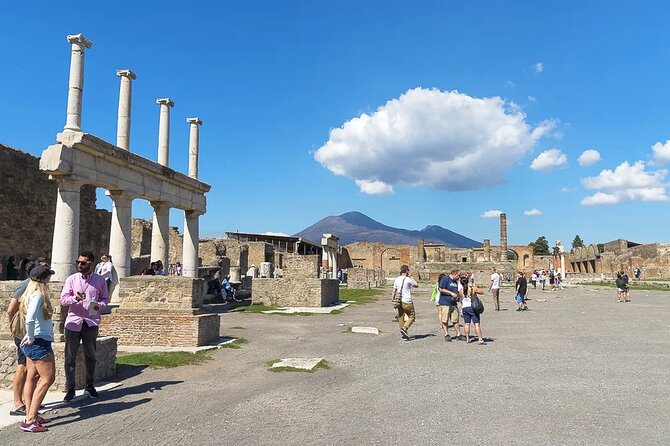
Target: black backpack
[(477, 304)]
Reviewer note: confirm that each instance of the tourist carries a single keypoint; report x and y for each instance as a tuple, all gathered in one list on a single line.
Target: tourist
[(495, 288), (18, 407), (449, 304), (620, 288), (25, 267), (36, 346), (10, 267), (228, 291), (151, 271), (543, 278), (85, 293), (104, 269), (626, 295), (403, 284), (521, 291), (435, 297), (464, 279), (552, 280), (178, 269), (469, 314), (160, 270), (533, 280)]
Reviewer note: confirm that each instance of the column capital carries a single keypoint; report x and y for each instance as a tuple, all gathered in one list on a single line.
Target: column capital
[(67, 183), (193, 214), (126, 73), (196, 121), (165, 101), (79, 38), (119, 194)]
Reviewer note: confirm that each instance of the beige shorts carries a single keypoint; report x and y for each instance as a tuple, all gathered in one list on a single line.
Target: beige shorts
[(449, 313)]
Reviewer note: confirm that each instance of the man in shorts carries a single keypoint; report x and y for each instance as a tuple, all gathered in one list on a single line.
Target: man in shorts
[(521, 290), (495, 288), (448, 304)]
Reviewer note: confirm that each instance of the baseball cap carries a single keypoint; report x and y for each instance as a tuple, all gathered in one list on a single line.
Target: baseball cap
[(40, 273)]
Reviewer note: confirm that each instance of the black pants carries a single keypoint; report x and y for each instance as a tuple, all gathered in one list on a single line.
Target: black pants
[(87, 336)]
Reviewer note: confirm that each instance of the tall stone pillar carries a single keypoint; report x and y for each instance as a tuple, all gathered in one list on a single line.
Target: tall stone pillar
[(76, 84), (125, 100), (487, 250), (193, 146), (324, 257), (191, 242), (66, 229), (160, 233), (422, 251), (563, 265), (164, 131), (503, 236), (335, 264), (120, 235)]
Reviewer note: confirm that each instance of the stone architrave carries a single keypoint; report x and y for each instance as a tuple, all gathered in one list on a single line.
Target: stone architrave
[(125, 99), (76, 83), (66, 229), (164, 131)]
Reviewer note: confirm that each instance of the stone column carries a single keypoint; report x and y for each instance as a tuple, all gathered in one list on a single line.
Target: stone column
[(487, 250), (160, 233), (335, 264), (193, 146), (503, 236), (76, 84), (422, 251), (324, 257), (164, 131), (562, 266), (120, 236), (191, 242), (125, 99), (66, 230)]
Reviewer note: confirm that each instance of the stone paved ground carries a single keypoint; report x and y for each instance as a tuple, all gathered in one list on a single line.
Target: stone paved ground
[(576, 369)]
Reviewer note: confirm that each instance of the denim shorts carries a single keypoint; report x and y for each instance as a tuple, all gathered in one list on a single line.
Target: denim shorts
[(520, 298), (19, 352), (469, 315), (40, 349)]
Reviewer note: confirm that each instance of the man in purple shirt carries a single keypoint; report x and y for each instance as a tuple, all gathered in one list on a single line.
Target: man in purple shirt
[(85, 293)]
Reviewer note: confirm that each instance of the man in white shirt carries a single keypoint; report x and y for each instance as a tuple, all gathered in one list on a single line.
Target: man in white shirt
[(495, 288), (403, 284)]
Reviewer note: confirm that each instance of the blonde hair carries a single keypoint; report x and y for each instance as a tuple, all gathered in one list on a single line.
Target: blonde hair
[(43, 290)]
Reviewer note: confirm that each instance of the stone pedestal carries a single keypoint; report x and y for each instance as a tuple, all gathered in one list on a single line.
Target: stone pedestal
[(161, 311)]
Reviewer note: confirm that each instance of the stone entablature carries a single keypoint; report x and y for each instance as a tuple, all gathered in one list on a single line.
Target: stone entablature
[(88, 159)]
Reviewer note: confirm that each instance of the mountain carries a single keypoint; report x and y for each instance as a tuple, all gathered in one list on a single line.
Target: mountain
[(356, 227)]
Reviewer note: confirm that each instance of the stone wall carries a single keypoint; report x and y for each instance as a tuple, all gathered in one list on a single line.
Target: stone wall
[(296, 292), (298, 266), (164, 293), (259, 252), (28, 209), (365, 278)]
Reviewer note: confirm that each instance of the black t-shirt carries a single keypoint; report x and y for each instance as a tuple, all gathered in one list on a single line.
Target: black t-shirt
[(522, 286)]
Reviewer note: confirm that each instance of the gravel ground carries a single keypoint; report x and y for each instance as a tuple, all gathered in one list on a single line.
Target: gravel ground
[(576, 369)]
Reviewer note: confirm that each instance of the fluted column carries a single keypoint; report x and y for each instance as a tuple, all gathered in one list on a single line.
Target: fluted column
[(191, 242), (193, 146), (160, 233), (66, 229), (164, 131), (125, 99), (76, 83)]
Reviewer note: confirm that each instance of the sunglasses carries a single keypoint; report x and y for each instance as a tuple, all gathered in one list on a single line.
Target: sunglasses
[(86, 262)]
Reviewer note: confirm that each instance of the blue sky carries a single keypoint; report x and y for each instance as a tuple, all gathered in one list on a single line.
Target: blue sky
[(271, 79)]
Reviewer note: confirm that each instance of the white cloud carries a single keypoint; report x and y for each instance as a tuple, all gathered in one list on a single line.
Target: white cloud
[(549, 159), (533, 212), (531, 99), (661, 153), (626, 183), (510, 84), (374, 187), (565, 189), (493, 213), (539, 67), (276, 233), (427, 137), (588, 157)]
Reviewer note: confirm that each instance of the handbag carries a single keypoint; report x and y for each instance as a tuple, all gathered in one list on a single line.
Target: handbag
[(477, 304), (397, 296)]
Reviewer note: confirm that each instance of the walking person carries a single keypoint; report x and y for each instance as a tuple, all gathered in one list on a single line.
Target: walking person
[(469, 314), (449, 304), (620, 288), (403, 284), (36, 346), (85, 293), (435, 297), (495, 288), (521, 290)]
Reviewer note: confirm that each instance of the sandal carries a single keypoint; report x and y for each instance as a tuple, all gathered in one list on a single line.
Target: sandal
[(19, 412)]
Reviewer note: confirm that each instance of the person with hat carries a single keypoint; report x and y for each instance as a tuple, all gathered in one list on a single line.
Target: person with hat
[(85, 293), (36, 346)]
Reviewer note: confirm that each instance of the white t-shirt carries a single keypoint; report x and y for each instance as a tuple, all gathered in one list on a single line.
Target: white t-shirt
[(467, 301), (406, 288), (495, 281)]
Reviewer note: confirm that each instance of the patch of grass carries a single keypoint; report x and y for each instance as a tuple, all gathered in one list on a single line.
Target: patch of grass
[(631, 287), (359, 297), (164, 360), (321, 365), (254, 308), (336, 312), (346, 330), (237, 327), (235, 344)]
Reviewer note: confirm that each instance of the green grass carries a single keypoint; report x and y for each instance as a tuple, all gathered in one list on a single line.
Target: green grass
[(255, 308), (632, 287), (164, 360), (237, 327), (322, 365), (236, 344), (359, 297)]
